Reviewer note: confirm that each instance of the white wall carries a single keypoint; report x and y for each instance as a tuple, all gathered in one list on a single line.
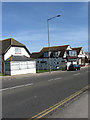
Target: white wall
[(0, 63), (81, 54), (68, 48), (11, 51), (80, 61), (64, 55), (23, 67), (18, 72), (68, 64)]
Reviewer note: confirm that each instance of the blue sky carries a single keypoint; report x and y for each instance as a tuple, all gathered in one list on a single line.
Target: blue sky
[(27, 23)]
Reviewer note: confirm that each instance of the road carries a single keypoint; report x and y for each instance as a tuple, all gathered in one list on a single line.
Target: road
[(24, 97)]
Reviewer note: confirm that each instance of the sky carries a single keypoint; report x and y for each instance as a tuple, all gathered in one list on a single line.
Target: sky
[(26, 22)]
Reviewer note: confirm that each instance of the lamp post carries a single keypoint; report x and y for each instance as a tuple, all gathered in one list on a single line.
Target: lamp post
[(49, 40)]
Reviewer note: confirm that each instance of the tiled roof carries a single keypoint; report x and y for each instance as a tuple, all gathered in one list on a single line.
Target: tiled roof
[(7, 43), (19, 58), (52, 49), (35, 55)]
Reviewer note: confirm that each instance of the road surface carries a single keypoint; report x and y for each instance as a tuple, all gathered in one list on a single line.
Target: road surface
[(24, 97)]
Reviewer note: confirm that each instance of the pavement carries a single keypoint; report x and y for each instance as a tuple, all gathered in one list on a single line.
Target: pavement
[(76, 108)]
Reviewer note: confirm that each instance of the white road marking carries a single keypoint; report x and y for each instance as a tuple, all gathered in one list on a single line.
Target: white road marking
[(57, 78), (16, 87), (54, 79), (77, 74), (50, 80)]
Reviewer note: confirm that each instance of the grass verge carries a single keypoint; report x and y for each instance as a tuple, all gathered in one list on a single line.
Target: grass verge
[(1, 74), (42, 71)]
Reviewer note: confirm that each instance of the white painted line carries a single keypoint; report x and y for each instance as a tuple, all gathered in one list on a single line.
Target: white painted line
[(4, 89), (57, 78), (16, 87), (50, 80), (77, 74), (54, 79)]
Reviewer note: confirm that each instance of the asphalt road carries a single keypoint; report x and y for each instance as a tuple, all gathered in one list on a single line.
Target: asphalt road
[(24, 97)]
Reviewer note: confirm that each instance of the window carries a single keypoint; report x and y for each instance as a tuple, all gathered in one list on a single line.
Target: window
[(37, 61), (72, 53), (46, 54), (55, 54), (43, 62), (7, 66), (17, 51)]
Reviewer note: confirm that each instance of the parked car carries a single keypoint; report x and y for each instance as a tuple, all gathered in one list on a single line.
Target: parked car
[(74, 67), (77, 67)]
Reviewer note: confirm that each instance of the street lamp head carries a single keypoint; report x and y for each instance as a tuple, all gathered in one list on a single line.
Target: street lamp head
[(58, 15), (53, 17)]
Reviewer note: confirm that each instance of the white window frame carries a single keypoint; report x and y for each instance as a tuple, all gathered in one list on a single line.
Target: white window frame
[(17, 50)]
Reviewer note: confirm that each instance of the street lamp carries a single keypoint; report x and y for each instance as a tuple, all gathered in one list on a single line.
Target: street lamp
[(49, 40)]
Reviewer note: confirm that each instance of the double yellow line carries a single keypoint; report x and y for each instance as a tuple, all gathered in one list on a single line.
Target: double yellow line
[(50, 109)]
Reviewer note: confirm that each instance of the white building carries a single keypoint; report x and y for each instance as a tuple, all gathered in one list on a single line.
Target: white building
[(56, 57), (15, 58), (81, 55)]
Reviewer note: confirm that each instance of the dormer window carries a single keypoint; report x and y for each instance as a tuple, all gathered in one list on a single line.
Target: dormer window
[(72, 53), (46, 54), (56, 54), (17, 51)]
